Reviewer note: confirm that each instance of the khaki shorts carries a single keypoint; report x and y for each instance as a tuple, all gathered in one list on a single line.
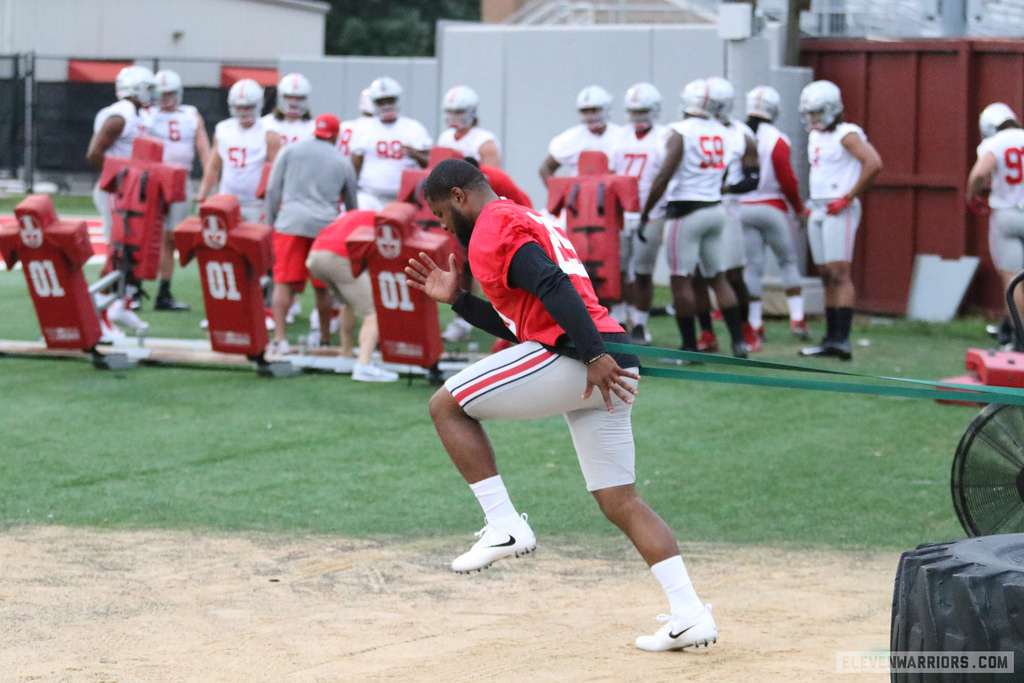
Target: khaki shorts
[(336, 272), (526, 381)]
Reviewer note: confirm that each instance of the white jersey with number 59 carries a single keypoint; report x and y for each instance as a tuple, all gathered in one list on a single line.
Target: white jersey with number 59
[(177, 129), (700, 173)]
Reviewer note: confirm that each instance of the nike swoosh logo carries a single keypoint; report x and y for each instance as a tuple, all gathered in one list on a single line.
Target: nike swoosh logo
[(673, 636), (511, 541)]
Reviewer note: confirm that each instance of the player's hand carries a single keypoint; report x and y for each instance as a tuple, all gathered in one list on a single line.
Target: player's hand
[(801, 218), (605, 374), (440, 285), (979, 206), (837, 205)]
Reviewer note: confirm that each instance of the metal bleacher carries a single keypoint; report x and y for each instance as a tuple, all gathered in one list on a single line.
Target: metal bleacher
[(826, 18)]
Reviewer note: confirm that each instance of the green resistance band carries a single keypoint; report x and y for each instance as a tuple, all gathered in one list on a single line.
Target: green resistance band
[(859, 384)]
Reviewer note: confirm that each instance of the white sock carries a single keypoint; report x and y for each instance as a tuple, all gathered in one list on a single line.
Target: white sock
[(620, 312), (641, 317), (682, 598), (755, 317), (796, 307), (493, 498), (632, 312)]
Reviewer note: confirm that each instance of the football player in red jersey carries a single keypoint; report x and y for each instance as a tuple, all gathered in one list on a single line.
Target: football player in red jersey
[(538, 294)]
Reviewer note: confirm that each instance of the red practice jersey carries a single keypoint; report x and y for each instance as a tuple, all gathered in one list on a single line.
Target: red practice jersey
[(501, 229)]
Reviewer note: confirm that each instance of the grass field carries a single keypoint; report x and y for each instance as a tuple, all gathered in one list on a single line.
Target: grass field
[(197, 448)]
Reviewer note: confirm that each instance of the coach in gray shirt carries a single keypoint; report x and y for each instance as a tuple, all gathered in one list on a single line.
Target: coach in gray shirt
[(306, 184)]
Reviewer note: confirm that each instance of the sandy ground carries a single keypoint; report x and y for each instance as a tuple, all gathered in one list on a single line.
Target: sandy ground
[(83, 605)]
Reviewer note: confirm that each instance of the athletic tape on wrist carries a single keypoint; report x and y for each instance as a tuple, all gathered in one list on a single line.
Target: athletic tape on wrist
[(877, 385)]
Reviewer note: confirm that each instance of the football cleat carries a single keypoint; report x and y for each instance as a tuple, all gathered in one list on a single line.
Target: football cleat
[(458, 330), (708, 342), (819, 350), (750, 337), (497, 543), (371, 373), (120, 313), (799, 329), (740, 349), (169, 303), (840, 349), (640, 336), (679, 633)]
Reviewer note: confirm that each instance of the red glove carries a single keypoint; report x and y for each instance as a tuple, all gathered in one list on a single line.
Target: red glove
[(837, 205), (979, 206)]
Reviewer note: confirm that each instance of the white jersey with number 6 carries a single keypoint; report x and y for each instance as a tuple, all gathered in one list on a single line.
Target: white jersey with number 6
[(242, 152), (178, 131)]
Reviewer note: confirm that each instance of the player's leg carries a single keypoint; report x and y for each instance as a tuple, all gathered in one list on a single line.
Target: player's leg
[(605, 448), (682, 251), (712, 253), (165, 301)]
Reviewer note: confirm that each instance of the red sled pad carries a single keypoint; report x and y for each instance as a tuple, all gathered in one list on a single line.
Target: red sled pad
[(997, 368), (971, 379)]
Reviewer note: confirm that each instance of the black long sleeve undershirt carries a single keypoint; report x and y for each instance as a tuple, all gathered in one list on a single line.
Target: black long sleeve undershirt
[(533, 271)]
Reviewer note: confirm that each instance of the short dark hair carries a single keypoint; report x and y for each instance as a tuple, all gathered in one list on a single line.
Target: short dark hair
[(451, 173)]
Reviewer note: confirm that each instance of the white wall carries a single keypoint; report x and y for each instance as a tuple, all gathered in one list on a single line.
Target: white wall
[(112, 29)]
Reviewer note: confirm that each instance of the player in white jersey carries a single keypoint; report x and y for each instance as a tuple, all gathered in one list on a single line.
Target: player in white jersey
[(999, 172), (640, 154), (116, 126), (183, 131), (291, 119), (767, 212), (115, 129), (389, 144), (595, 133), (240, 148), (741, 175), (462, 131), (691, 181), (843, 166)]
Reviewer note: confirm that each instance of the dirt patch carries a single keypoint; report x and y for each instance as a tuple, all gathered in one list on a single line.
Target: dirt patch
[(83, 605)]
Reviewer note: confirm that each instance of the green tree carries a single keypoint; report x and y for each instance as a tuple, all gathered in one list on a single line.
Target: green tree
[(391, 28)]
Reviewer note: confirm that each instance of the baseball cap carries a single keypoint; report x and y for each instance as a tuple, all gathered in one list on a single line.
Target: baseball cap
[(327, 126)]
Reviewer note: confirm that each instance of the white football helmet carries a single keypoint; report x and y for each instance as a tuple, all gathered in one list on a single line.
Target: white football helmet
[(763, 102), (993, 116), (168, 89), (643, 105), (385, 88), (460, 107), (820, 104), (722, 94), (245, 101), (293, 96), (695, 99), (365, 105), (136, 82), (598, 104)]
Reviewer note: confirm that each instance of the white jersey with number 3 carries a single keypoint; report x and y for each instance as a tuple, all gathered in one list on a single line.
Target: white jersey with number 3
[(380, 144), (242, 152), (705, 149), (1008, 176), (834, 171), (178, 130)]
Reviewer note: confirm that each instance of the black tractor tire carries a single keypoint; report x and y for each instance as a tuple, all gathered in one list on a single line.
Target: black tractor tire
[(960, 596)]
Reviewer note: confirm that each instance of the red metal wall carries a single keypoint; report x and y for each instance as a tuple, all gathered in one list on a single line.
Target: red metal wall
[(918, 102)]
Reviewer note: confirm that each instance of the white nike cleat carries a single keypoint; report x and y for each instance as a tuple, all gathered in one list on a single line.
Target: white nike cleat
[(681, 633), (120, 313), (497, 543)]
